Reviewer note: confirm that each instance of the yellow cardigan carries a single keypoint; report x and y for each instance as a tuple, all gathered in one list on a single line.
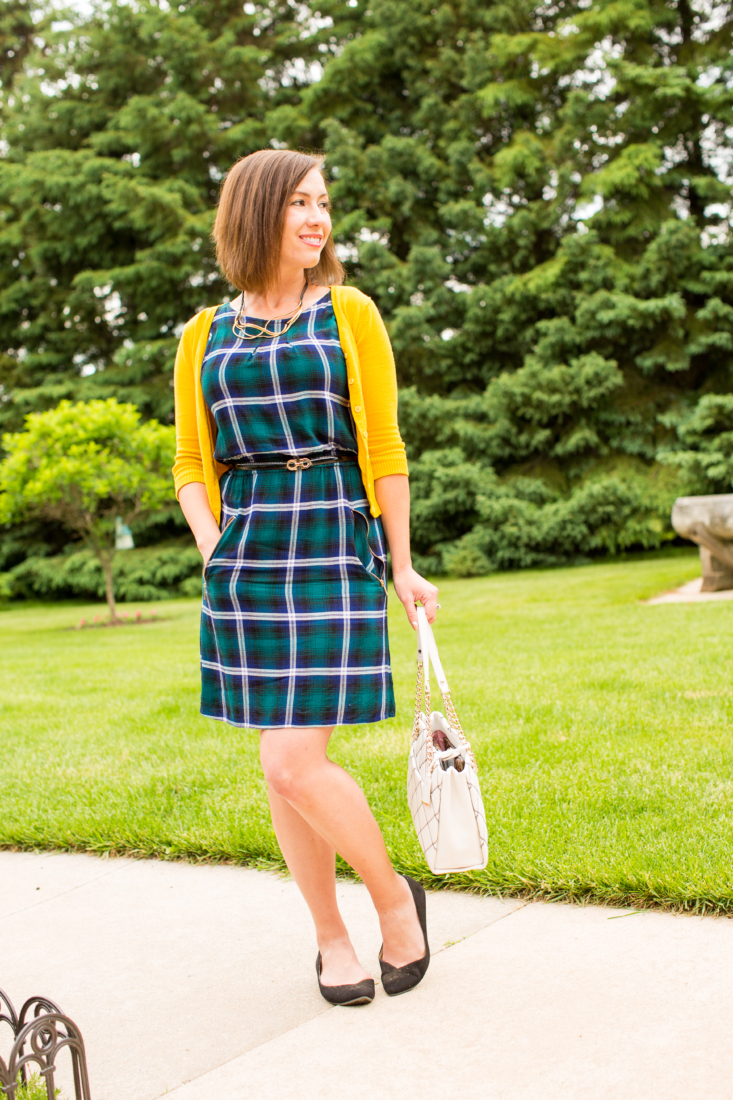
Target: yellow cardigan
[(372, 391)]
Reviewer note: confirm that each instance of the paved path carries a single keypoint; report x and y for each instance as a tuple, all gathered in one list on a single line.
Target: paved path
[(692, 593), (198, 983)]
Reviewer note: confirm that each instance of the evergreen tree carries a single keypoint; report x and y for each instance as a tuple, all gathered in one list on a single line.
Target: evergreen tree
[(539, 200), (119, 128), (537, 197)]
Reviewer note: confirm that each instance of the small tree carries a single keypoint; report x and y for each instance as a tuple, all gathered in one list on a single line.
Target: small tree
[(84, 465)]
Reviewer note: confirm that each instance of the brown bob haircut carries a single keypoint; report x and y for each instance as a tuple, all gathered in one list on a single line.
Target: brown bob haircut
[(249, 222)]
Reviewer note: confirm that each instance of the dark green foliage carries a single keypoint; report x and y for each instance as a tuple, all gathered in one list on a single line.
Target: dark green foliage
[(545, 195), (31, 538), (706, 441), (468, 522), (514, 530), (109, 186), (152, 573), (537, 197)]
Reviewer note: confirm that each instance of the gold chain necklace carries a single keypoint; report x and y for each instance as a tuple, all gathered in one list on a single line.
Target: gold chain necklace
[(241, 324)]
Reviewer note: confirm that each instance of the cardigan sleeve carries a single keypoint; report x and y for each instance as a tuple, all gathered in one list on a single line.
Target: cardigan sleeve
[(188, 465), (379, 388)]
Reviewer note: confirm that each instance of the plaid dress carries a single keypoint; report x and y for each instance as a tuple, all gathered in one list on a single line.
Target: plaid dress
[(294, 618)]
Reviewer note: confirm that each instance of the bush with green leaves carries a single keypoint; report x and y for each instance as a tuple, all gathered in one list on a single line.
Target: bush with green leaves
[(87, 465), (468, 522), (150, 573)]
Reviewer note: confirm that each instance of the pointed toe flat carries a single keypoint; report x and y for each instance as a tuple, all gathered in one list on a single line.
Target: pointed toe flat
[(400, 979), (362, 993)]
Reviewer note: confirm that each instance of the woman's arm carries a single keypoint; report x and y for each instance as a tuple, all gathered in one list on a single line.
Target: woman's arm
[(379, 391), (393, 497), (194, 503)]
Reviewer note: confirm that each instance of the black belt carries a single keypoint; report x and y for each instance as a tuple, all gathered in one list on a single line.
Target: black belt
[(293, 464)]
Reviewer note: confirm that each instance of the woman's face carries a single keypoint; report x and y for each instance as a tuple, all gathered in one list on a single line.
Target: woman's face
[(307, 222)]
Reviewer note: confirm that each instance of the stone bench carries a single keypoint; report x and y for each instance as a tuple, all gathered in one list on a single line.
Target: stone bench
[(708, 521)]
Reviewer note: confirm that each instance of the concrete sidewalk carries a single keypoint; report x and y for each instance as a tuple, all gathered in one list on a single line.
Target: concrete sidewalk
[(198, 983)]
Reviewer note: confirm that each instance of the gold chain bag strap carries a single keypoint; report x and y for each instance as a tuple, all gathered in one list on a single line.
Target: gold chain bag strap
[(443, 790)]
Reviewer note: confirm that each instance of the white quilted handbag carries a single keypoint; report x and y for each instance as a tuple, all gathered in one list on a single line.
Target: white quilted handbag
[(443, 790)]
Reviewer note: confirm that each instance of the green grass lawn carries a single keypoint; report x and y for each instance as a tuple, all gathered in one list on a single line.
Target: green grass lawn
[(601, 726)]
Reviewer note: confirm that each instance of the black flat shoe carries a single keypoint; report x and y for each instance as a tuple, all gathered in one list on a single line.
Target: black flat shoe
[(360, 994), (398, 979)]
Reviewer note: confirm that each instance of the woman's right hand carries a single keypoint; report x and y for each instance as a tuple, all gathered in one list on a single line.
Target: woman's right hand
[(195, 505), (206, 549)]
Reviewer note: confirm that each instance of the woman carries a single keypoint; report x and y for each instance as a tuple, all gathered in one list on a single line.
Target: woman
[(288, 453)]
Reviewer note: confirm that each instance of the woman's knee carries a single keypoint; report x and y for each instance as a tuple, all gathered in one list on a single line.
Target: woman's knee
[(284, 778), (291, 759)]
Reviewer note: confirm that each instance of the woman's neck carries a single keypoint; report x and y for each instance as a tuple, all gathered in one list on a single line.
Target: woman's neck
[(284, 294)]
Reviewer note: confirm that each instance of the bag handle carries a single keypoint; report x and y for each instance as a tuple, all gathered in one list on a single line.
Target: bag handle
[(427, 654), (427, 648)]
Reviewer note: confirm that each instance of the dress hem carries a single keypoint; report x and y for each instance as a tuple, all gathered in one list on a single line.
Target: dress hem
[(293, 725)]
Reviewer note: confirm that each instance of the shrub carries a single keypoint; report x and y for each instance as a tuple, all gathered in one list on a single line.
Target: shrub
[(88, 465), (467, 521), (151, 573)]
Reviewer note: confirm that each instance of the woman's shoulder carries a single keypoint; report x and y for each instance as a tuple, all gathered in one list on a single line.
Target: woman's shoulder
[(200, 320), (351, 297), (356, 305)]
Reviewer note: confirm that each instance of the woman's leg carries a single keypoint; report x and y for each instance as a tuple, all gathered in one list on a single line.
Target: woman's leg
[(326, 797), (312, 863)]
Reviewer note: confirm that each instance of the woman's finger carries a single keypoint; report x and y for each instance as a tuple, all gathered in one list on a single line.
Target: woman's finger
[(428, 597), (419, 591), (429, 600), (409, 603)]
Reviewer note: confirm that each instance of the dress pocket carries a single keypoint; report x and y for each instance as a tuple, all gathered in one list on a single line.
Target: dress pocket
[(226, 530), (369, 547)]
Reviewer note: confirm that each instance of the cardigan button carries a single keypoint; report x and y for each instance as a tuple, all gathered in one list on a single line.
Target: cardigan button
[(357, 408), (351, 381)]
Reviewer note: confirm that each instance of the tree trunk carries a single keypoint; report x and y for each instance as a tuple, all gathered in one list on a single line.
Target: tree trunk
[(109, 587)]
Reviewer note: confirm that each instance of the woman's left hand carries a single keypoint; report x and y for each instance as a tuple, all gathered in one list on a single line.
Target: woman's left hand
[(411, 589)]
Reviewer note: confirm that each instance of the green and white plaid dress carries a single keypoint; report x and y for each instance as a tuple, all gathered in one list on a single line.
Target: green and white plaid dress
[(294, 621)]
